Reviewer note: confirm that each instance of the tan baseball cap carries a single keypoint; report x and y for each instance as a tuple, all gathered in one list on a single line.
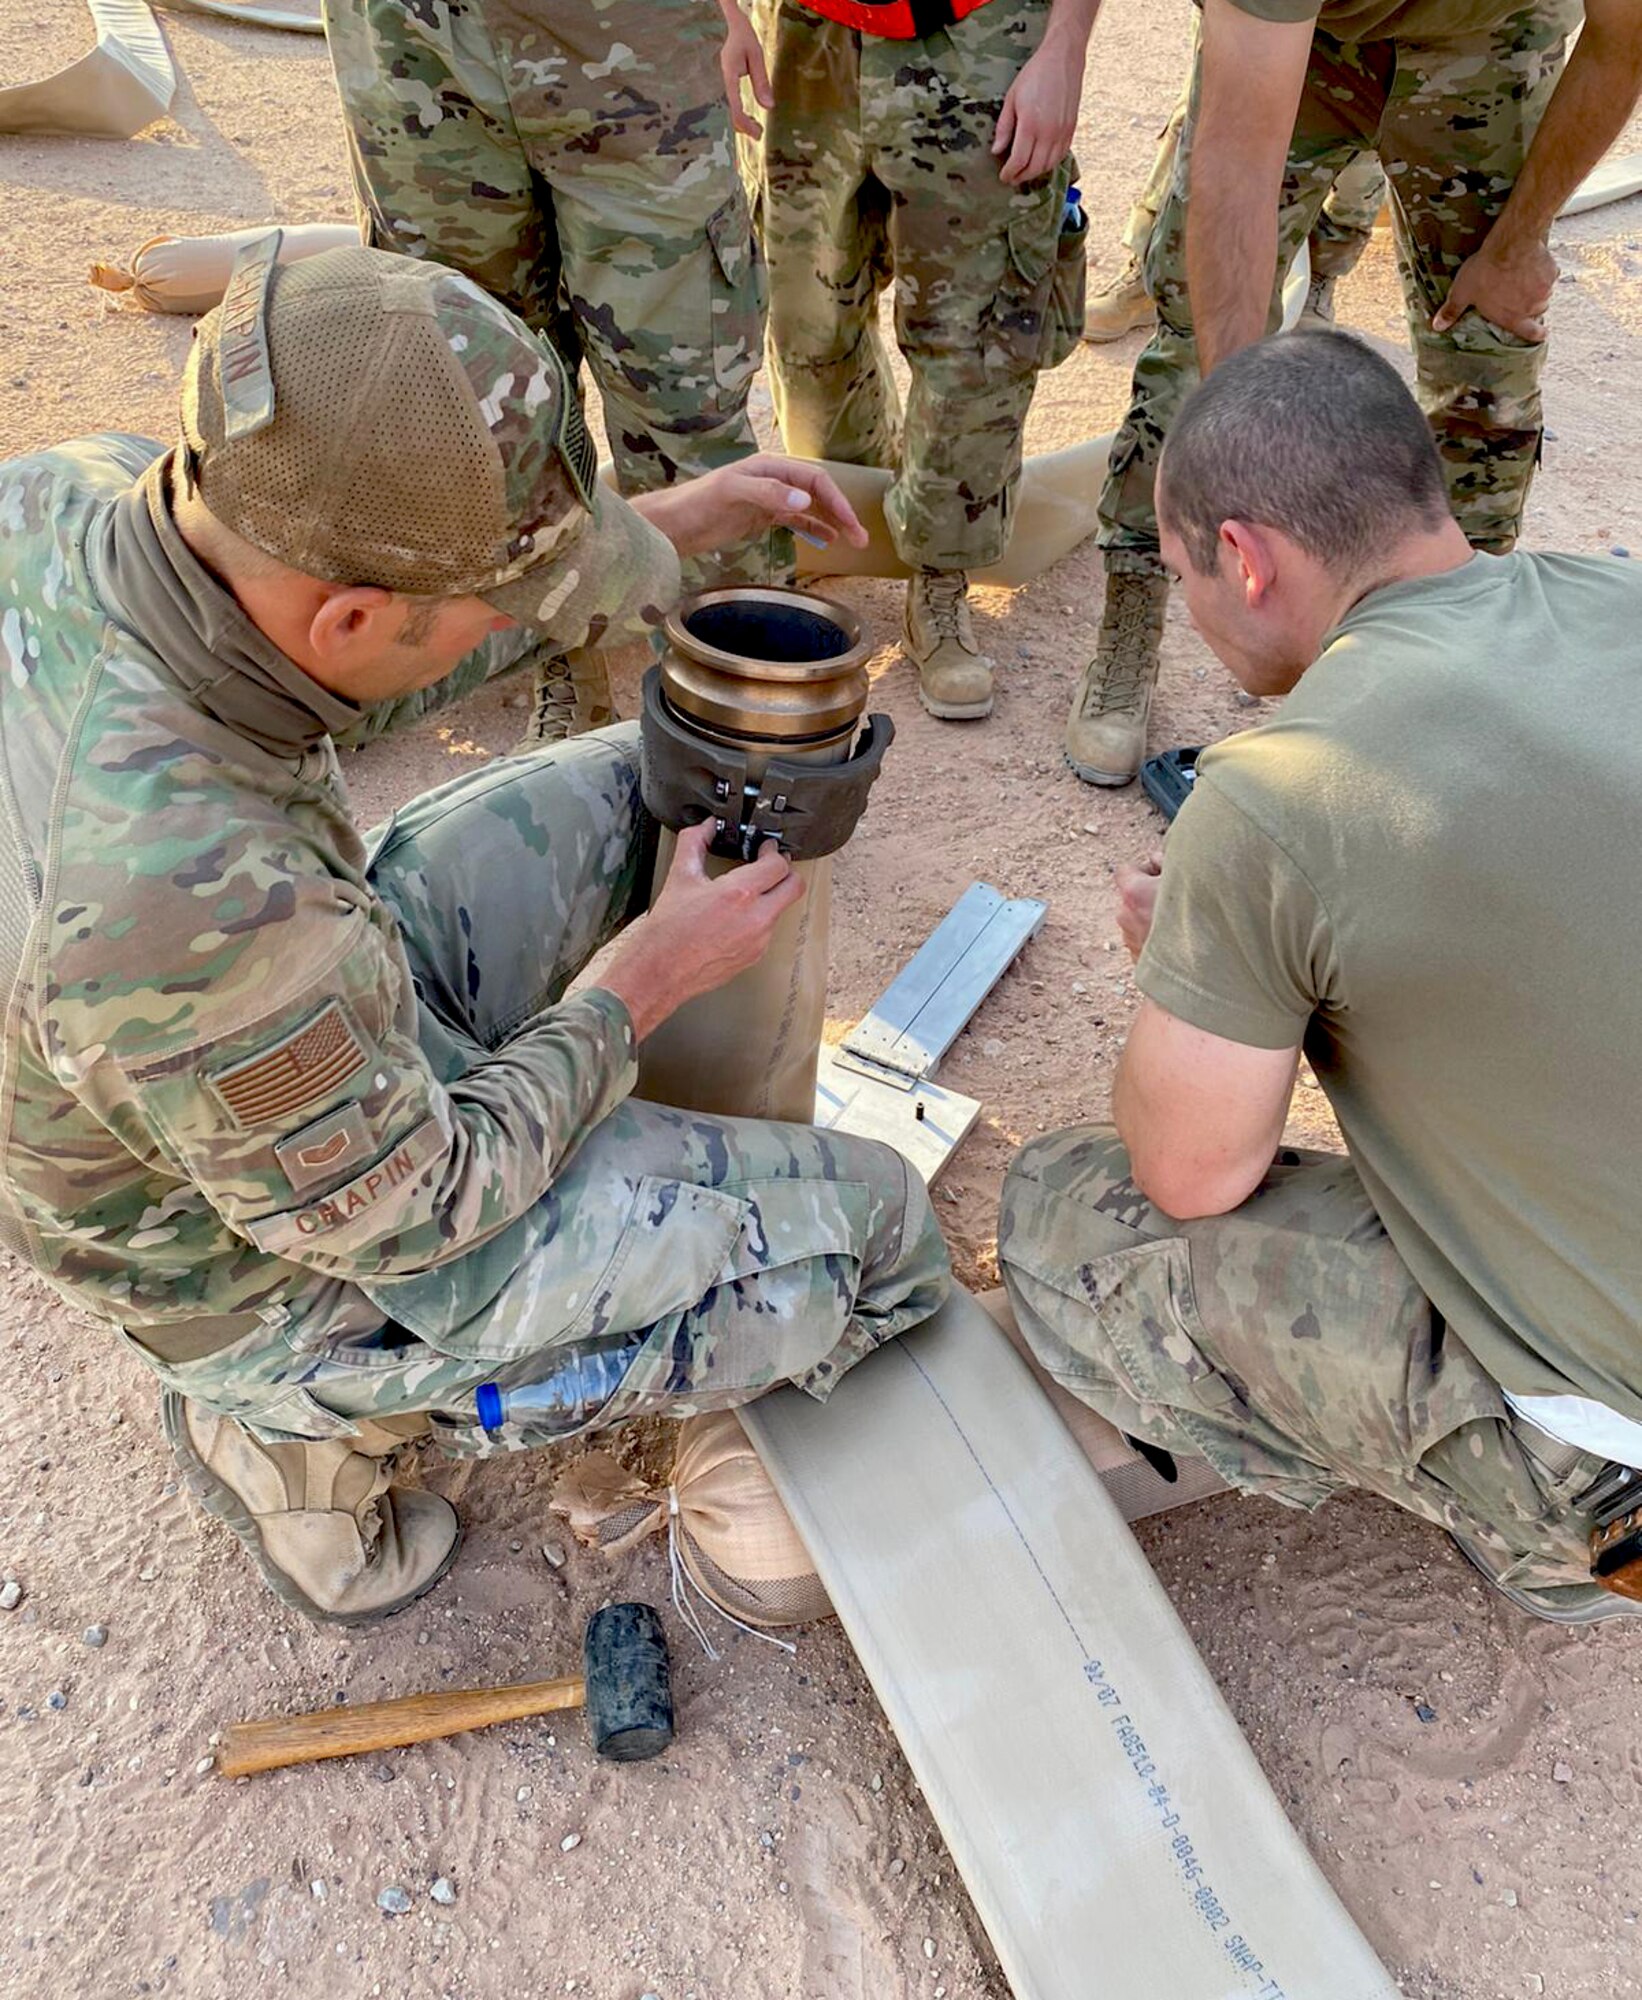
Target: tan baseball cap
[(374, 419)]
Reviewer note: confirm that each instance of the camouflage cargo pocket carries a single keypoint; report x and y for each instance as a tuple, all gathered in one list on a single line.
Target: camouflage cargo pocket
[(1120, 1328), (738, 296), (1017, 330), (1146, 1306)]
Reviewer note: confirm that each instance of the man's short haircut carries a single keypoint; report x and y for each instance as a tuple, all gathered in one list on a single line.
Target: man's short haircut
[(1312, 434)]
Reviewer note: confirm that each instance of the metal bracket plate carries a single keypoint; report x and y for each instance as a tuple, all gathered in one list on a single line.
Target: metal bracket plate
[(924, 1009), (924, 1123)]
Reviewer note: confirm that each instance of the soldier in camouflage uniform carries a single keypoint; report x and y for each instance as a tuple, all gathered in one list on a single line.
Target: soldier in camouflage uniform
[(577, 161), (929, 162), (1447, 1317), (309, 1121), (1450, 95)]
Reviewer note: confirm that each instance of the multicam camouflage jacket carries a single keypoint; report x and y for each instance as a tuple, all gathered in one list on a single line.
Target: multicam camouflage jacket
[(214, 1101)]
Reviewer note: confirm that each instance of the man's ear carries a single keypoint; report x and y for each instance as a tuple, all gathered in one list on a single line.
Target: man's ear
[(1253, 557), (351, 621)]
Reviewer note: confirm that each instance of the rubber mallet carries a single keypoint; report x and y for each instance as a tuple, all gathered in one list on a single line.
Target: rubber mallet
[(623, 1685)]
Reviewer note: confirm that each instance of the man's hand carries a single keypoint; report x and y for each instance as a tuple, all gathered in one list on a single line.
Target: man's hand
[(701, 931), (739, 501), (1137, 899), (743, 57), (1508, 281), (1039, 116), (1509, 278)]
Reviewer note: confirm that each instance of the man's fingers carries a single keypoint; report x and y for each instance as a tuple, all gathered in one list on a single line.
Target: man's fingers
[(1018, 167), (767, 868), (690, 850), (833, 510), (786, 892), (1003, 138), (759, 77)]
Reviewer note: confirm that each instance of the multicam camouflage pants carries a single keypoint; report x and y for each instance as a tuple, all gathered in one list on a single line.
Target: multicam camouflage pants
[(1451, 124), (740, 1253), (1285, 1342), (877, 164), (576, 160), (1338, 237)]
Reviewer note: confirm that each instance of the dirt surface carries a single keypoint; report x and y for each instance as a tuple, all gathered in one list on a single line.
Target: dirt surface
[(1468, 1780)]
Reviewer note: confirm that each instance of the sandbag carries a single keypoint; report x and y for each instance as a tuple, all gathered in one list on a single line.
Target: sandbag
[(1056, 508), (124, 81), (731, 1534), (188, 274)]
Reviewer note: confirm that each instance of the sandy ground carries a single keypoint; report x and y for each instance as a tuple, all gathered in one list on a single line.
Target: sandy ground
[(1467, 1779)]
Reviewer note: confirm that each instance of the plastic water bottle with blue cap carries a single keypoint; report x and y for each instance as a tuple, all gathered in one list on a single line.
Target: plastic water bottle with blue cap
[(585, 1376)]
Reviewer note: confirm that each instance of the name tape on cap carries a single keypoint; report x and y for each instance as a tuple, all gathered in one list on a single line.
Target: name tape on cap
[(244, 372)]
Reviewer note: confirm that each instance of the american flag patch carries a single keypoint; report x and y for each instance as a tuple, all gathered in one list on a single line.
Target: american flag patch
[(298, 1071)]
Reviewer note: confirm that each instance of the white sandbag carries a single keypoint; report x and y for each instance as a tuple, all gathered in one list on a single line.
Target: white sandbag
[(123, 83), (189, 274), (1056, 508)]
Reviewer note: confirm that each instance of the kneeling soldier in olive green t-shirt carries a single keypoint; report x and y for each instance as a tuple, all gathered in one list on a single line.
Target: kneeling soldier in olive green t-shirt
[(1414, 872)]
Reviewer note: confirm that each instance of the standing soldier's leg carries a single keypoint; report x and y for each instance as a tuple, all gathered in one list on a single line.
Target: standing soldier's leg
[(822, 216), (1340, 234), (975, 265), (1123, 304), (620, 108), (439, 169), (1457, 128), (626, 121), (1106, 730), (1286, 1342)]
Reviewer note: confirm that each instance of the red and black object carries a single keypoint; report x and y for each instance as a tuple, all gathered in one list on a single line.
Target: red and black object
[(895, 20), (1614, 1502)]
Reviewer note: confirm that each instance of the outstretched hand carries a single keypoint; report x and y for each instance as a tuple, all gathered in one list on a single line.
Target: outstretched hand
[(736, 502), (702, 929)]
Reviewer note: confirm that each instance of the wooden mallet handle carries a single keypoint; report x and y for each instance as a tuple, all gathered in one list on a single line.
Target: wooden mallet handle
[(385, 1725)]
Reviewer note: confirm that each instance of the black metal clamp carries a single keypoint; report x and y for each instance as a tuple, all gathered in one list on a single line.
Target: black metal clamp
[(809, 810)]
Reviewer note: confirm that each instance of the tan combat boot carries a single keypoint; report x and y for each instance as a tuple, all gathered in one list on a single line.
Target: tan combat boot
[(954, 675), (1106, 731), (1318, 310), (331, 1536), (571, 695), (1119, 306)]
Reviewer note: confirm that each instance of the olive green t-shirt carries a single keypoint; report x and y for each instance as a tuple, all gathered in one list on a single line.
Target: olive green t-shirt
[(1388, 20), (1425, 867)]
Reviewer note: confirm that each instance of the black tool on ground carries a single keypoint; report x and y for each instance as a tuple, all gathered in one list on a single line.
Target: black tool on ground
[(624, 1686), (1167, 779)]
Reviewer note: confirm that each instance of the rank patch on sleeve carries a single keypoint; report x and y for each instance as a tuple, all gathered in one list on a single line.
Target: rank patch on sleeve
[(321, 1151), (306, 1066)]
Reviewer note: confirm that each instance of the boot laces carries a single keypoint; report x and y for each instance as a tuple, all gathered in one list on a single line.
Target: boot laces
[(1124, 657), (946, 602), (555, 706)]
